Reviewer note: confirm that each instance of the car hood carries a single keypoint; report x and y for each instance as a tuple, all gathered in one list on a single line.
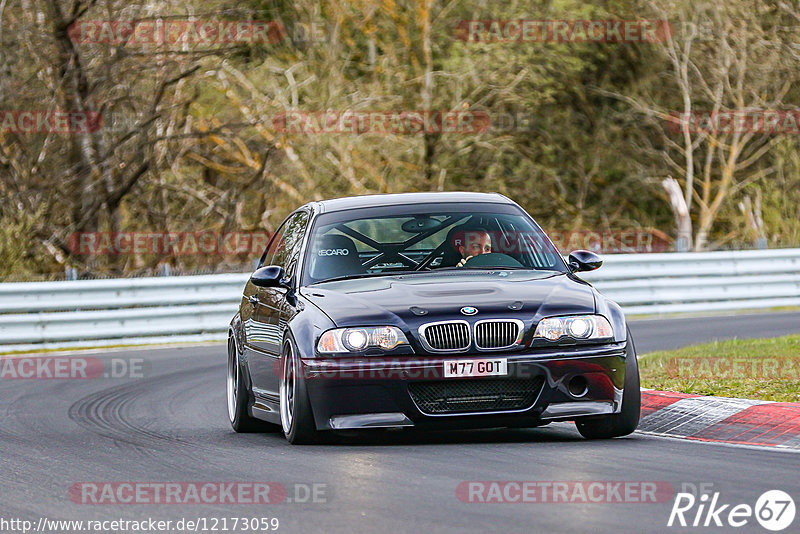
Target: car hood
[(410, 300)]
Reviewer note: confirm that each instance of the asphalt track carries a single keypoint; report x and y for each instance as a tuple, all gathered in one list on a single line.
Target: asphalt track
[(170, 425)]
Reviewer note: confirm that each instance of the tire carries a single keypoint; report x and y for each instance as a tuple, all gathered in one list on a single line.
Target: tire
[(297, 418), (625, 422), (238, 395)]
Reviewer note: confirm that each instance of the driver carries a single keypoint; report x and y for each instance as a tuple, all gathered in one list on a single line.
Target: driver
[(472, 243)]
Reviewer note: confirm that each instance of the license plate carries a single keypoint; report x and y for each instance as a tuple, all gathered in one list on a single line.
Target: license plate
[(468, 368)]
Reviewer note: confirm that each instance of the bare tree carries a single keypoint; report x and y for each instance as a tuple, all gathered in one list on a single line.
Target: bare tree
[(720, 58)]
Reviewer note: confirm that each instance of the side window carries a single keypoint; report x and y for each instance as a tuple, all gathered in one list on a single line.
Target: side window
[(288, 250), (277, 239)]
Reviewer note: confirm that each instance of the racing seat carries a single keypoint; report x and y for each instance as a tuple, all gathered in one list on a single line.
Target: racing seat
[(335, 255), (450, 255)]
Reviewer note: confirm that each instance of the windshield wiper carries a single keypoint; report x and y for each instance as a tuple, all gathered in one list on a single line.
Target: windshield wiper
[(481, 268), (488, 268), (362, 275)]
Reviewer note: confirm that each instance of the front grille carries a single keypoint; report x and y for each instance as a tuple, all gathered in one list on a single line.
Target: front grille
[(453, 335), (497, 334), (475, 395)]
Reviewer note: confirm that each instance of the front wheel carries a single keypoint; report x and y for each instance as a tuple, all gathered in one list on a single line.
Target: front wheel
[(296, 416), (625, 422)]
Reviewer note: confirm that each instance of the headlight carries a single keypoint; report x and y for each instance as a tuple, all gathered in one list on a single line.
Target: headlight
[(358, 339), (581, 327)]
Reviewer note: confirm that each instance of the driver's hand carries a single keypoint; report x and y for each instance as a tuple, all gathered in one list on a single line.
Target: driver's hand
[(463, 261)]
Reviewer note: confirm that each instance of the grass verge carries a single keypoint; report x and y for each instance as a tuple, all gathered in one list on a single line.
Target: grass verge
[(764, 369)]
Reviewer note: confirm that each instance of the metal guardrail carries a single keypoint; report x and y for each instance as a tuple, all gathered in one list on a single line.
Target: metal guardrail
[(700, 281), (42, 315), (87, 313)]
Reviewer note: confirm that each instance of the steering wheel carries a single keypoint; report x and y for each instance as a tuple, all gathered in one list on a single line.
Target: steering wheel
[(492, 259)]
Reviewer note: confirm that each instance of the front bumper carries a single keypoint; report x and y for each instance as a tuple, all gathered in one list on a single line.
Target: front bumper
[(374, 392)]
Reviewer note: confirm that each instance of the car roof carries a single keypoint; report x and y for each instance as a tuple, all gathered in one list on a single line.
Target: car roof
[(370, 201)]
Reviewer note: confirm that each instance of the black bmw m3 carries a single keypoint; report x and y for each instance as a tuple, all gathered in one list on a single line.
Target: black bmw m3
[(430, 311)]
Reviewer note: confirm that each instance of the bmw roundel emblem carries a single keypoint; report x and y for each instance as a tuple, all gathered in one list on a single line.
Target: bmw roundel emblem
[(469, 310)]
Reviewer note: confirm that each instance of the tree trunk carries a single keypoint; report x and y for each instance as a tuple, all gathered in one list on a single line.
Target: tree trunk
[(683, 221)]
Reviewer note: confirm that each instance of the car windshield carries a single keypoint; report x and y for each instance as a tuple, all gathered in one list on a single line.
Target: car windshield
[(391, 240)]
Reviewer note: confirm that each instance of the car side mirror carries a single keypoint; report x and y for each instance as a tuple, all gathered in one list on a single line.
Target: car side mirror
[(269, 276), (584, 260)]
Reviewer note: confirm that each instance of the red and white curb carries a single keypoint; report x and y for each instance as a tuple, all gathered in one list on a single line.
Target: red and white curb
[(721, 419)]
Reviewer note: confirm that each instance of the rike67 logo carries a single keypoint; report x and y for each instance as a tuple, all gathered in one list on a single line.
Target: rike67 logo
[(774, 510)]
